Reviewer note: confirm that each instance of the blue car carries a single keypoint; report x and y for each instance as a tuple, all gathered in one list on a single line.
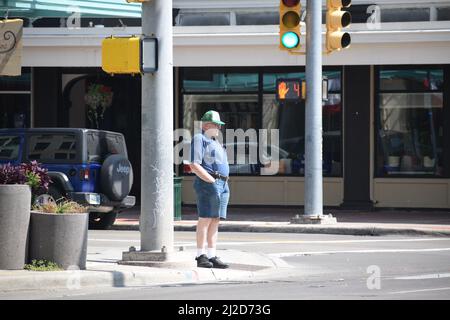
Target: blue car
[(88, 166)]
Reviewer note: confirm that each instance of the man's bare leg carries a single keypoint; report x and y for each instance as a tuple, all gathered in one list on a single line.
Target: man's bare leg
[(202, 232), (213, 232)]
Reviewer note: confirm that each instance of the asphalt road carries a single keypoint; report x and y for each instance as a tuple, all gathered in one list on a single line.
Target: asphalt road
[(320, 267)]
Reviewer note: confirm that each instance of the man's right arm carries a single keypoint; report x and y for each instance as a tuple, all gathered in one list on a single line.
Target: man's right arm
[(201, 172), (197, 155)]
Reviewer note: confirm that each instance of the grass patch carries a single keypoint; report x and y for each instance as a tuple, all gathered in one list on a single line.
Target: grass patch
[(43, 265)]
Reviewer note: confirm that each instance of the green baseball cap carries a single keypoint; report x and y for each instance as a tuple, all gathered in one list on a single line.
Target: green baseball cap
[(212, 116)]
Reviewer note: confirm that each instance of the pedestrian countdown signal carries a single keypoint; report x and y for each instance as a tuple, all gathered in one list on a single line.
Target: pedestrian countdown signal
[(290, 90)]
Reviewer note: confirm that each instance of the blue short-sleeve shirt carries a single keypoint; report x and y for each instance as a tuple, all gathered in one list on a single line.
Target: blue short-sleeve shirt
[(210, 154)]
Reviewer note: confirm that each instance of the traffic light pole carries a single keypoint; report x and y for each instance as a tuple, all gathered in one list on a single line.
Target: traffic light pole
[(156, 221), (313, 116), (313, 120)]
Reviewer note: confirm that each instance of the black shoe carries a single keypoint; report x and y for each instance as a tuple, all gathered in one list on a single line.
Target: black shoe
[(203, 262), (216, 263)]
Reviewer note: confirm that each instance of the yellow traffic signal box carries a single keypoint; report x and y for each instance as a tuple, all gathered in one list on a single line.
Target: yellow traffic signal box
[(290, 24), (336, 20), (121, 55)]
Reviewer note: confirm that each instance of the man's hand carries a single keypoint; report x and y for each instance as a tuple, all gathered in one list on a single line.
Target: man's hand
[(201, 173)]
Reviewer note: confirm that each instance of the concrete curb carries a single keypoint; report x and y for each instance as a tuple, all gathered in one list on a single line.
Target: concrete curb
[(310, 229), (112, 275), (133, 277)]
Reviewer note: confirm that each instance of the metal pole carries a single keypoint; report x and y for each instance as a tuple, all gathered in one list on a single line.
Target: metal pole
[(156, 221), (313, 118)]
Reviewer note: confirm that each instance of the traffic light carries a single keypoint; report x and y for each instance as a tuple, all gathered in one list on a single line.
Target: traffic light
[(130, 55), (336, 20), (121, 55), (290, 24)]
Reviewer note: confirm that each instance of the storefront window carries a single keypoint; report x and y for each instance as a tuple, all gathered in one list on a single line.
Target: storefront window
[(205, 80), (410, 126), (240, 107), (289, 118), (238, 111), (17, 83), (233, 94), (15, 100), (411, 80)]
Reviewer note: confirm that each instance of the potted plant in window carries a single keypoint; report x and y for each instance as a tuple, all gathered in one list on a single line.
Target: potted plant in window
[(18, 185), (393, 161), (58, 233), (428, 157)]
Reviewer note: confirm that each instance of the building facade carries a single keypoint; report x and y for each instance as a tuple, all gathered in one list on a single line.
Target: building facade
[(386, 122)]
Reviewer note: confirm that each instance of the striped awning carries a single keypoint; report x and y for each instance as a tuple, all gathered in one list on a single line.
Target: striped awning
[(64, 8)]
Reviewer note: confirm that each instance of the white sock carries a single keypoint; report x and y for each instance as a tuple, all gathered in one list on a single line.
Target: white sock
[(200, 251), (211, 253)]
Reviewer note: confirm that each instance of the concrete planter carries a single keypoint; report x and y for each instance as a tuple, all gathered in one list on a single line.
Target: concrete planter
[(15, 202), (60, 238)]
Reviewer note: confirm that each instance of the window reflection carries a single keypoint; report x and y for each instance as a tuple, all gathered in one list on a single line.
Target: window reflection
[(289, 118), (410, 126), (231, 94)]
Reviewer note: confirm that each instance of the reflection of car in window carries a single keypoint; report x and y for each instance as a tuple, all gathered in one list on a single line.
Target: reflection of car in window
[(246, 158), (9, 147), (250, 161)]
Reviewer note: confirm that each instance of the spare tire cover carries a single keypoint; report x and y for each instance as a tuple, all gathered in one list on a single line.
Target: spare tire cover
[(116, 177)]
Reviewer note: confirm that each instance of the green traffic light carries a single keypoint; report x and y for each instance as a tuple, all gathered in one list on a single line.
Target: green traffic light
[(290, 40)]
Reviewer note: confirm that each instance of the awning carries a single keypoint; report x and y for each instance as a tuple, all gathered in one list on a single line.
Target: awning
[(65, 8)]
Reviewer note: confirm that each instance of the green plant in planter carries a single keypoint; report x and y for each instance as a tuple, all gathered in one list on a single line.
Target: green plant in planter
[(60, 207), (59, 233), (19, 185), (43, 265), (30, 173)]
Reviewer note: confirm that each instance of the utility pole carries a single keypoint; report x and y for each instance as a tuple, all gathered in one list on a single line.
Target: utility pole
[(313, 116), (156, 221), (313, 120)]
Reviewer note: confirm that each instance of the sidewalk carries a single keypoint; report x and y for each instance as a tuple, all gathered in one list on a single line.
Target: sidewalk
[(375, 223), (105, 272), (103, 269)]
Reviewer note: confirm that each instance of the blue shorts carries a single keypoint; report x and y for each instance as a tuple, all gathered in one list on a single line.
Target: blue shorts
[(212, 198)]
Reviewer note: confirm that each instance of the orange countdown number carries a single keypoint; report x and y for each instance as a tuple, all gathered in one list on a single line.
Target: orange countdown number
[(297, 89)]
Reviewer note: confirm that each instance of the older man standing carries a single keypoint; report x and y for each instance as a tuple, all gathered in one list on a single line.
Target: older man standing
[(210, 164)]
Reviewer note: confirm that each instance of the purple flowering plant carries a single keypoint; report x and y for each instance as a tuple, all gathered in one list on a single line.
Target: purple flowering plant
[(31, 174)]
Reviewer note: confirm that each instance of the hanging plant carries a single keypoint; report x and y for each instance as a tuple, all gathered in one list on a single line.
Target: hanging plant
[(98, 98)]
